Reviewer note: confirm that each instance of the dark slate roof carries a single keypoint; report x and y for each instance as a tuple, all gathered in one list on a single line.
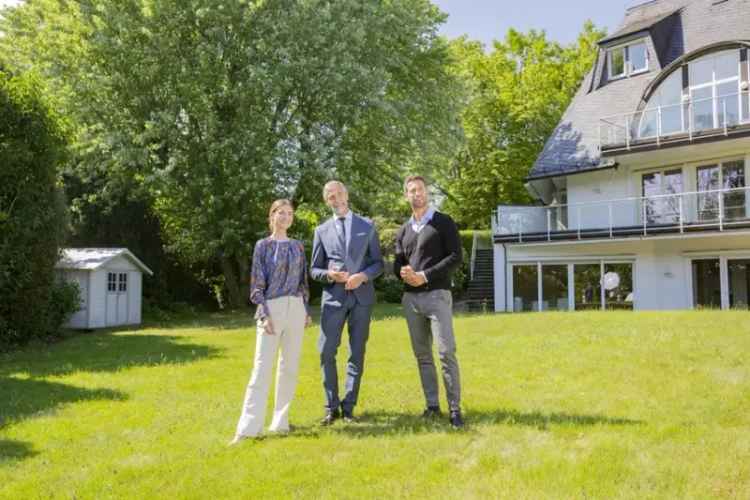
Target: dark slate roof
[(676, 27), (634, 26)]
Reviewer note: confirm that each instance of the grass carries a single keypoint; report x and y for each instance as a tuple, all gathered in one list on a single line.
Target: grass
[(576, 405)]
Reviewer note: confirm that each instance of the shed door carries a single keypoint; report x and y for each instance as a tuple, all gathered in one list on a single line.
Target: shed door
[(117, 298)]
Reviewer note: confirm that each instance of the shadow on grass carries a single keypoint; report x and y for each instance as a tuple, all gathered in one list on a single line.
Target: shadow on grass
[(11, 451), (244, 318), (25, 398), (103, 352), (389, 423)]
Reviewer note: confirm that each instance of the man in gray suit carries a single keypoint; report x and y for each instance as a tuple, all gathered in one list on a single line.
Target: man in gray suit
[(346, 258)]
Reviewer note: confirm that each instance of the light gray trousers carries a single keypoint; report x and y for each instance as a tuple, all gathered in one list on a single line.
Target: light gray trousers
[(428, 315)]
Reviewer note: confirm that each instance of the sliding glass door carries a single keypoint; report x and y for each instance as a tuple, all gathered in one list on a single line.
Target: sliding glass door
[(706, 283), (580, 286), (588, 293), (618, 286), (739, 283), (554, 287)]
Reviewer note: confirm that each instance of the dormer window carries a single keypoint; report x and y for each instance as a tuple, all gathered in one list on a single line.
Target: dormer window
[(627, 60)]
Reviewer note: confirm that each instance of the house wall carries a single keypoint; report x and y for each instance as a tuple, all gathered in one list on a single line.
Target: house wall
[(596, 190), (662, 274), (80, 318), (98, 296)]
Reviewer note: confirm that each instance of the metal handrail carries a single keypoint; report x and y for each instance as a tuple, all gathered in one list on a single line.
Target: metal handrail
[(625, 128), (683, 216)]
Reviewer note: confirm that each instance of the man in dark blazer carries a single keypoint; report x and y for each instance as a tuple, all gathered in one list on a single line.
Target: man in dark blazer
[(346, 259)]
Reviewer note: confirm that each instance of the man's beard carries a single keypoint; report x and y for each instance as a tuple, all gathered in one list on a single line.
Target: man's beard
[(418, 204)]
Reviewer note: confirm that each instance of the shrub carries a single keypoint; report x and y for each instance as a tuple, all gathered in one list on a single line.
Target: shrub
[(389, 287), (32, 213), (64, 301)]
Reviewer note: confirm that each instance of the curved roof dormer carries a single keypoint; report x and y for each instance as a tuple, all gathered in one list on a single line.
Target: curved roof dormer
[(687, 58), (701, 90)]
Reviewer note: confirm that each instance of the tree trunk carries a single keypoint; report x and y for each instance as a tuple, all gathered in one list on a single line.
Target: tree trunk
[(234, 299)]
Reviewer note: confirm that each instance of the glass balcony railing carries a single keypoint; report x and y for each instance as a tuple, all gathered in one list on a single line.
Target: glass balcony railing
[(718, 209), (718, 115)]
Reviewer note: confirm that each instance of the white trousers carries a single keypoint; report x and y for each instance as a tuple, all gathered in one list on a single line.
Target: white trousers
[(288, 316)]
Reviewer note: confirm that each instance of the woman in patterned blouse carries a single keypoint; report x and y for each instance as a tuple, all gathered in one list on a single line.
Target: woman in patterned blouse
[(279, 288)]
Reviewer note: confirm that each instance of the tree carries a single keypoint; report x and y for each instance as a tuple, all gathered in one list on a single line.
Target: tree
[(214, 108), (518, 93)]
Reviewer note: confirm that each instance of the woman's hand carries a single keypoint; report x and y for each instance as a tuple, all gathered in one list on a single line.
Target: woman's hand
[(267, 326), (308, 321)]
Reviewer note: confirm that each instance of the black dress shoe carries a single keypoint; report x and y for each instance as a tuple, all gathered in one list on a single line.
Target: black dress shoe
[(455, 419), (348, 415), (330, 417), (432, 412)]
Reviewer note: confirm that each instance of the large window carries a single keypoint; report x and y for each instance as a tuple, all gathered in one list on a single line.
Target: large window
[(554, 287), (712, 99), (588, 294), (706, 283), (714, 90), (729, 178), (618, 286), (661, 192), (596, 286), (663, 113), (627, 60), (525, 288), (739, 283)]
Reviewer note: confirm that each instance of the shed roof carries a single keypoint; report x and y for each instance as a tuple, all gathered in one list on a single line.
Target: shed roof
[(93, 258)]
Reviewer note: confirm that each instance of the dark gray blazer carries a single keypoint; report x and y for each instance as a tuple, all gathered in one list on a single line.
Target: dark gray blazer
[(363, 256)]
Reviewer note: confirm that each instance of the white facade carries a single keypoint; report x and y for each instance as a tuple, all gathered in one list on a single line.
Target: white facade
[(662, 270), (110, 282), (677, 269)]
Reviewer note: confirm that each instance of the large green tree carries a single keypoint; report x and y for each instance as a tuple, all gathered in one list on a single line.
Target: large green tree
[(211, 109), (517, 93)]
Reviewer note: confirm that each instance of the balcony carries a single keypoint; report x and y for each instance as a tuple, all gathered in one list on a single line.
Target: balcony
[(726, 115), (709, 210)]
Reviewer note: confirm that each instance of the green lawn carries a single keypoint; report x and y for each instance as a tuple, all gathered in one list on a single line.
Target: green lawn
[(576, 405)]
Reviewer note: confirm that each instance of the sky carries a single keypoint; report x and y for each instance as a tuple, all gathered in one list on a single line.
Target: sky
[(485, 20)]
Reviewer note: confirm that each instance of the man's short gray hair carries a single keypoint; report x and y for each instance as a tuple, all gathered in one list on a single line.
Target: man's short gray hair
[(330, 184)]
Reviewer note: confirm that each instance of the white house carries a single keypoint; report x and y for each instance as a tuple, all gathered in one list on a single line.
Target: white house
[(642, 200), (110, 280)]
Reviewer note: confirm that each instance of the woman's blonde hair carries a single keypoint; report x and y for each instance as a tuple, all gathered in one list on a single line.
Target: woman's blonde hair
[(283, 202)]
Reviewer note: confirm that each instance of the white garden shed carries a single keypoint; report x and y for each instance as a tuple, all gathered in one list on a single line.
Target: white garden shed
[(110, 280)]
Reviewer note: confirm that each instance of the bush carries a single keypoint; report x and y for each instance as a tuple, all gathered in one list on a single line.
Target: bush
[(387, 238), (389, 287), (65, 300), (32, 214)]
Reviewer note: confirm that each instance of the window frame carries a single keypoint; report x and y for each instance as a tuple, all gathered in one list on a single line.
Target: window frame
[(122, 282), (111, 282), (628, 70)]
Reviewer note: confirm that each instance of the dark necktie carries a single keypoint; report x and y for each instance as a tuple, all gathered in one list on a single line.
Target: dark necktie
[(342, 233)]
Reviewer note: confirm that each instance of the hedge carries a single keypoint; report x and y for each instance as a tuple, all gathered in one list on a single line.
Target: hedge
[(32, 215)]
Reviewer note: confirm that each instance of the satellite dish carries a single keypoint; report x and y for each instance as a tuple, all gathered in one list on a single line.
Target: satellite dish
[(611, 280)]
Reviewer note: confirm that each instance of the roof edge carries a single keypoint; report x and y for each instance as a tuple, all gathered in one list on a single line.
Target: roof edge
[(120, 252)]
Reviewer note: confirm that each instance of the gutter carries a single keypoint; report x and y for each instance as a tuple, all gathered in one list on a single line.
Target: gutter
[(602, 166)]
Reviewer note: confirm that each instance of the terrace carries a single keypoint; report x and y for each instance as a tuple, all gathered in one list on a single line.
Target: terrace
[(723, 209)]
